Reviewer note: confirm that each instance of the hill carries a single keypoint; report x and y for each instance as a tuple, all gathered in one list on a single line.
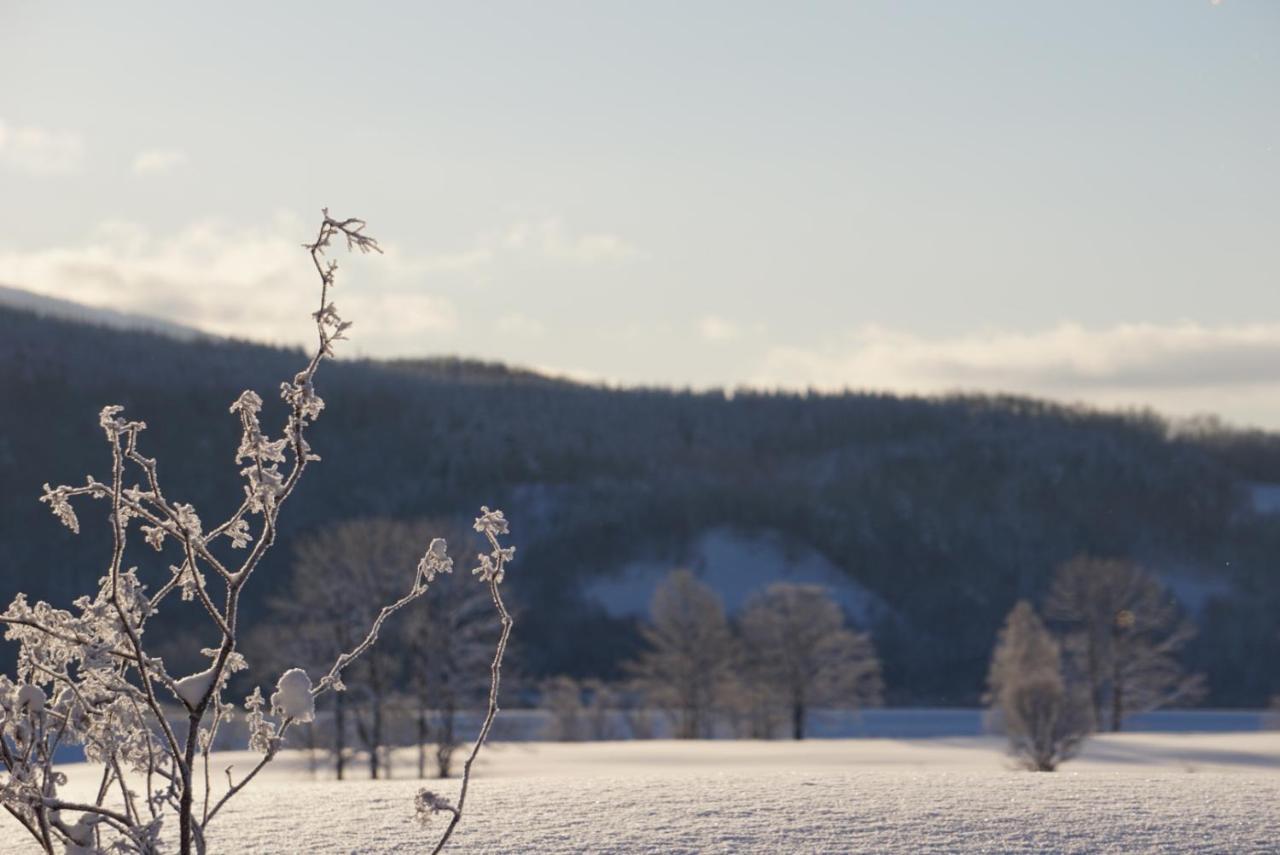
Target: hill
[(940, 512)]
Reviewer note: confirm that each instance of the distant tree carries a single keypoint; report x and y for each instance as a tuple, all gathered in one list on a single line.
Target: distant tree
[(445, 640), (561, 697), (340, 576), (755, 711), (1044, 718), (1122, 631), (688, 666), (799, 653), (601, 708)]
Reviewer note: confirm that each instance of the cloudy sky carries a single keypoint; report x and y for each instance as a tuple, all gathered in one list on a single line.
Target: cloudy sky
[(1079, 200)]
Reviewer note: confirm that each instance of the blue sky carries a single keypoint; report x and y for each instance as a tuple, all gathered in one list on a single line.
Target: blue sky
[(1078, 200)]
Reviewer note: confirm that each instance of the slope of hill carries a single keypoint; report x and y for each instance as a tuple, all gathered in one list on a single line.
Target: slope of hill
[(943, 511), (16, 298)]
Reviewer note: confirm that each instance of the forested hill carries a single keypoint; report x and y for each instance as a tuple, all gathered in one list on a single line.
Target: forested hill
[(946, 509)]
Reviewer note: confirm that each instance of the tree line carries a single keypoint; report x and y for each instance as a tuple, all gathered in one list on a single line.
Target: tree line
[(1107, 642)]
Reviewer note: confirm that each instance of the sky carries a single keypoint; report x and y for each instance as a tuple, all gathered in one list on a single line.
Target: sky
[(1077, 200)]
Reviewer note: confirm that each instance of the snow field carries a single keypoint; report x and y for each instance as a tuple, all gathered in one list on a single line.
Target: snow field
[(1128, 793)]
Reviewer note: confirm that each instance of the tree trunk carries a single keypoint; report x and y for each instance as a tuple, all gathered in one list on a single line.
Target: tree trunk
[(373, 741), (339, 733), (1117, 704), (1117, 684), (422, 741), (1095, 681), (797, 720), (445, 742)]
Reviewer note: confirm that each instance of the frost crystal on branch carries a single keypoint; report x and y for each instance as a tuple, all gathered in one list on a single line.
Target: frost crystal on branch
[(56, 498), (435, 561), (262, 736), (492, 564), (427, 804), (491, 522)]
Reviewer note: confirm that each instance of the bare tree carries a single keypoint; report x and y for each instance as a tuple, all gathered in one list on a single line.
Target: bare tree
[(447, 639), (1122, 631), (799, 653), (443, 641), (340, 575), (755, 710), (280, 643), (561, 697), (1044, 719), (689, 664), (601, 709)]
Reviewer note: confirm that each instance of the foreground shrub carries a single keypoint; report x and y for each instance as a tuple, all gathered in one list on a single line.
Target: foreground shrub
[(88, 676)]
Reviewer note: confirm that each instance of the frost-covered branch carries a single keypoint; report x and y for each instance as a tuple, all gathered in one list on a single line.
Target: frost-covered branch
[(491, 571)]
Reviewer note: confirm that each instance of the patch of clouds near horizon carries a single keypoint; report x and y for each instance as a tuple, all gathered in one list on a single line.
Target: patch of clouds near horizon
[(158, 161), (542, 240), (242, 281), (716, 329), (550, 238), (520, 326), (39, 151), (253, 281), (1181, 368)]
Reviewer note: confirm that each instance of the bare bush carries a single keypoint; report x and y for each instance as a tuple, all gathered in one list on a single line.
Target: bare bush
[(86, 676), (1045, 720)]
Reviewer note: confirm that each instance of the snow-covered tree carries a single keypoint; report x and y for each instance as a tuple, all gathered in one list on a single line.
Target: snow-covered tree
[(89, 676), (687, 669), (1122, 632), (798, 654), (1045, 719)]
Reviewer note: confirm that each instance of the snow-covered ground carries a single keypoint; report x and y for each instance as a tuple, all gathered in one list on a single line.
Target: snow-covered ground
[(1130, 793)]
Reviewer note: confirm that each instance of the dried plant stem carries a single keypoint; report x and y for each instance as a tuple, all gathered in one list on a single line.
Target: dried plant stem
[(495, 684)]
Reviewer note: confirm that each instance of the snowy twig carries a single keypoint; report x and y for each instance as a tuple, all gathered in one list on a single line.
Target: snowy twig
[(491, 571)]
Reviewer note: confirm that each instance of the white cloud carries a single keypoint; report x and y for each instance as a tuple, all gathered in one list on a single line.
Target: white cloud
[(158, 161), (38, 151), (249, 282), (519, 245), (550, 239), (520, 326), (717, 329), (1181, 367)]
